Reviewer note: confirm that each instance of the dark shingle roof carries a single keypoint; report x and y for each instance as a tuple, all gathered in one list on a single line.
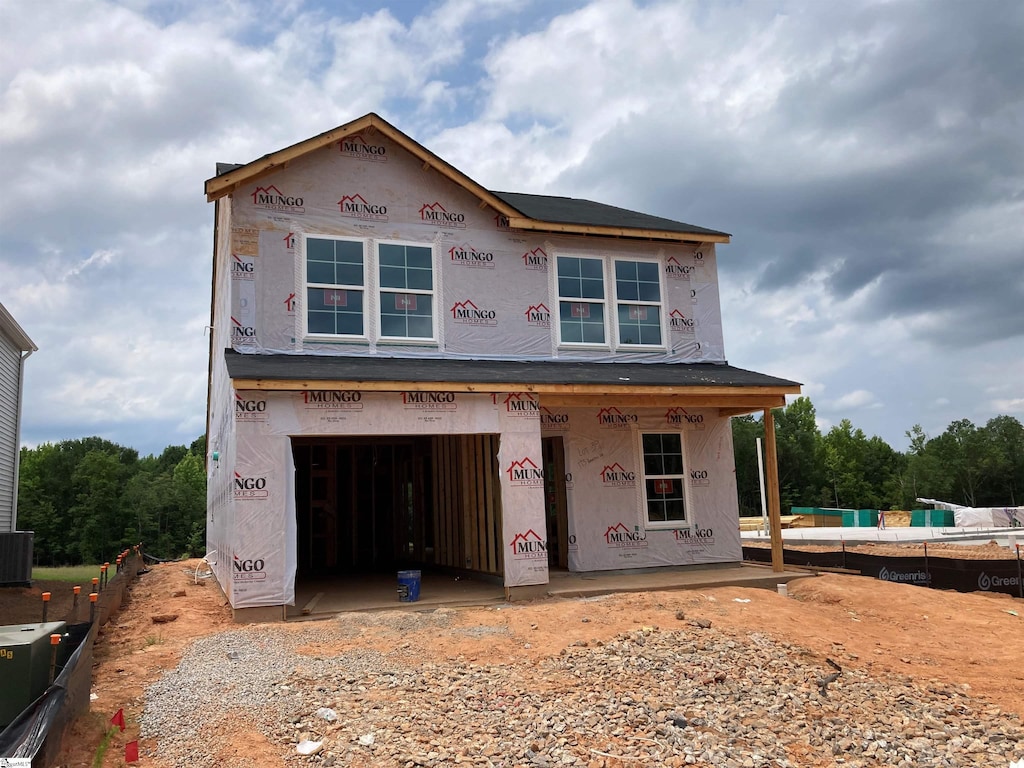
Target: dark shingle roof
[(412, 370), (569, 210)]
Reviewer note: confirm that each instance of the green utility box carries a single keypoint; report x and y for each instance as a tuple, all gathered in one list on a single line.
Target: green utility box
[(25, 655)]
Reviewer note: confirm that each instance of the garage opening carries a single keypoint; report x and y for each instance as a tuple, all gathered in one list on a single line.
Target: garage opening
[(382, 504)]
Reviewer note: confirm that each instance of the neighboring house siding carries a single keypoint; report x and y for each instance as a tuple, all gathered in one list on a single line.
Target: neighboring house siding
[(10, 380)]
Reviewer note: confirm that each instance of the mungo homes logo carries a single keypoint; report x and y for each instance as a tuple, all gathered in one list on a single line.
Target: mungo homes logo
[(250, 410), (550, 421), (613, 418), (243, 267), (248, 569), (436, 214), (501, 222), (242, 334), (618, 536), (466, 255), (289, 241), (333, 400), (536, 260), (538, 315), (250, 488), (430, 401), (273, 199), (699, 478), (617, 476), (468, 313), (704, 537), (525, 472), (356, 207), (679, 417), (680, 323), (529, 546), (677, 271), (357, 147), (521, 404)]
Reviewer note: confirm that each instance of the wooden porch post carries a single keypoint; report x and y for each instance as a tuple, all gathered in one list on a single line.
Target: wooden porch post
[(771, 461)]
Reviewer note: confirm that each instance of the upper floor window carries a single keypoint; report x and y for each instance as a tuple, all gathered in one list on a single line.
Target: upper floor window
[(335, 287), (638, 303), (581, 300), (406, 291), (636, 321), (357, 291)]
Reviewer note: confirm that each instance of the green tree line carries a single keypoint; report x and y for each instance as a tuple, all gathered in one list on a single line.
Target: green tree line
[(88, 499), (843, 468)]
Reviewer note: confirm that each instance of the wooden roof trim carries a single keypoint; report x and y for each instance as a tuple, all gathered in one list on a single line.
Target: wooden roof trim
[(226, 183), (522, 222), (724, 395)]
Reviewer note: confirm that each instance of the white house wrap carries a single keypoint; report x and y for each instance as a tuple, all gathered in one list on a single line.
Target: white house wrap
[(410, 370)]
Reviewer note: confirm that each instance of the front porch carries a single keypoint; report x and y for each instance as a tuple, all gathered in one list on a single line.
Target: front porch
[(378, 592)]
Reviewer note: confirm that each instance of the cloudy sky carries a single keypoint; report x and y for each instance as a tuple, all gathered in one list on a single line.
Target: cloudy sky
[(867, 156)]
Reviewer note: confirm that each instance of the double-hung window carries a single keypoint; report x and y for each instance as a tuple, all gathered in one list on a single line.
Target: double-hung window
[(372, 291), (581, 300), (406, 291), (335, 287), (638, 303), (664, 479), (637, 318)]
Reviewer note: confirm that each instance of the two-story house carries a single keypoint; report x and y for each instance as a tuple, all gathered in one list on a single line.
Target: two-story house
[(410, 370)]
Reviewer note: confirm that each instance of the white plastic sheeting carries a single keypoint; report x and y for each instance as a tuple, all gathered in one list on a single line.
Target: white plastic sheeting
[(981, 517)]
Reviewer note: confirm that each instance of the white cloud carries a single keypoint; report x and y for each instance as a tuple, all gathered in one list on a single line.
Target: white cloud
[(864, 155), (856, 400)]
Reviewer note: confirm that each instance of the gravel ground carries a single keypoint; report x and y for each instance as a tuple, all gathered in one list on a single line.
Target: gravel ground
[(688, 694)]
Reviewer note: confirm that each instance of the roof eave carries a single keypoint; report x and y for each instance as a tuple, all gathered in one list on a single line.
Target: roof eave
[(10, 326), (525, 223)]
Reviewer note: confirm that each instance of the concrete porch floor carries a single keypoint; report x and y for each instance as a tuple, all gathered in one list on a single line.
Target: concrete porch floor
[(376, 592)]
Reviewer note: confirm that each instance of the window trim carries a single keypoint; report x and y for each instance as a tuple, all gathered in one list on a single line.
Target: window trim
[(664, 525), (372, 292)]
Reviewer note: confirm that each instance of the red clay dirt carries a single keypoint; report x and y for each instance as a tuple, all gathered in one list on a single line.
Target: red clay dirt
[(970, 640)]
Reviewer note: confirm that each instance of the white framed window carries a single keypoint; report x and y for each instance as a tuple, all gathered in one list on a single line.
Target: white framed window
[(634, 293), (368, 290), (406, 291), (664, 480), (581, 300), (335, 270), (638, 312)]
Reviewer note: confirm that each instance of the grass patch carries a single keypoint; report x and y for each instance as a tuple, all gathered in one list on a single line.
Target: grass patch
[(75, 574)]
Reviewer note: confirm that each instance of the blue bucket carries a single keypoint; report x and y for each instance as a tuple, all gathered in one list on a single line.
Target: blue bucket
[(408, 586)]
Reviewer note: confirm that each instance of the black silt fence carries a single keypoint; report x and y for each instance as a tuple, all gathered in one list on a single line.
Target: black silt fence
[(962, 575)]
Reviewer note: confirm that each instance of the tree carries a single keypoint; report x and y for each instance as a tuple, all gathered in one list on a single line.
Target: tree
[(800, 452), (745, 431)]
